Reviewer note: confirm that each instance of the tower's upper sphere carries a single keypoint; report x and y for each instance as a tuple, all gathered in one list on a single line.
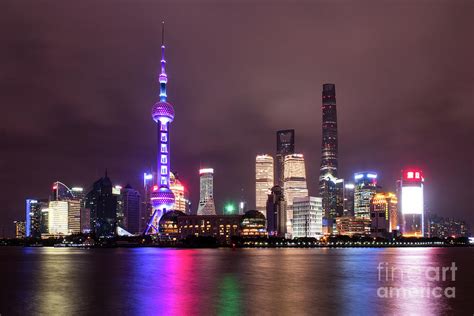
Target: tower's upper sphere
[(163, 112)]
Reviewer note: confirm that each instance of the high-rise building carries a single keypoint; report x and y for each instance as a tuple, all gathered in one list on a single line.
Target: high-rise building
[(364, 191), (383, 214), (162, 198), (74, 216), (349, 199), (75, 199), (131, 209), (181, 195), (102, 203), (263, 181), (85, 220), (285, 146), (294, 184), (307, 217), (276, 212), (120, 217), (329, 190), (412, 203), (33, 217), (206, 192), (20, 229), (146, 209), (58, 212)]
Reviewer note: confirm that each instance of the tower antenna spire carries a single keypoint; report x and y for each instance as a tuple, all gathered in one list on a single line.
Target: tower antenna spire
[(163, 78), (162, 33)]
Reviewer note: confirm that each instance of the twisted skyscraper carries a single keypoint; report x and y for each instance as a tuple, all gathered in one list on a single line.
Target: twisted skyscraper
[(162, 198)]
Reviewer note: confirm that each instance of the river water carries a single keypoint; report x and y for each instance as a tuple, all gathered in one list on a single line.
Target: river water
[(156, 281)]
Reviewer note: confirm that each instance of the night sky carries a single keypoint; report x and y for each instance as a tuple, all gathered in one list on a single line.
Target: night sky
[(78, 80)]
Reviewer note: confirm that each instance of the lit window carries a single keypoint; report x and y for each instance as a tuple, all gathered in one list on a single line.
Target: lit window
[(417, 175), (164, 159), (164, 127), (164, 149), (410, 175), (164, 170), (163, 181), (164, 137)]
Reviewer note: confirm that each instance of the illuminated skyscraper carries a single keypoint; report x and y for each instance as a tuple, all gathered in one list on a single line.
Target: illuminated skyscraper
[(365, 189), (263, 181), (383, 214), (146, 209), (206, 192), (20, 229), (58, 218), (285, 146), (33, 217), (349, 199), (162, 198), (74, 216), (181, 195), (412, 203), (294, 184), (330, 187)]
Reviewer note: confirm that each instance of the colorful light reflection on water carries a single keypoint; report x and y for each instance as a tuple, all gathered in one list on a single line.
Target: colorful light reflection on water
[(153, 281)]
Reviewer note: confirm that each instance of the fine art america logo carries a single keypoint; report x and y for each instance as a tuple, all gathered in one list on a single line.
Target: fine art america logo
[(416, 281)]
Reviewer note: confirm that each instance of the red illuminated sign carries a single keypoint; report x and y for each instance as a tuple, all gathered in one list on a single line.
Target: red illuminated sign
[(413, 175)]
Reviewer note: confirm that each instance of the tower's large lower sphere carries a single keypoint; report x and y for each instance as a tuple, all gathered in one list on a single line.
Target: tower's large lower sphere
[(163, 198)]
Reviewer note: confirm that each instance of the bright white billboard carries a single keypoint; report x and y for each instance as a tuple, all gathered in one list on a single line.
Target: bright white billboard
[(412, 200)]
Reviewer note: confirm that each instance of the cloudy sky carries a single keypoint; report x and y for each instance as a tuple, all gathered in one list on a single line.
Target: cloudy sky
[(78, 80)]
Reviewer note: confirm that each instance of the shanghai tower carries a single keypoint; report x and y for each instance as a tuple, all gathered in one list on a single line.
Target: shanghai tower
[(162, 198), (328, 181)]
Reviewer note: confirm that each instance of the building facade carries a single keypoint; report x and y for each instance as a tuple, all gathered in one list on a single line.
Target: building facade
[(206, 192), (294, 184), (412, 203), (58, 218), (263, 181), (444, 227), (74, 216), (181, 195), (383, 214), (33, 217), (364, 191), (349, 199), (331, 189), (352, 226), (285, 145), (131, 209), (253, 224), (102, 203), (20, 229), (307, 217), (221, 227), (276, 213)]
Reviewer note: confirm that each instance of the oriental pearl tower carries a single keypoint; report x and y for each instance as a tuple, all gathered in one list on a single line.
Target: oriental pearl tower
[(162, 198)]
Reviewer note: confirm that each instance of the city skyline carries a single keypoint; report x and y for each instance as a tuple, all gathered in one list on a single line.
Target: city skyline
[(399, 142)]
